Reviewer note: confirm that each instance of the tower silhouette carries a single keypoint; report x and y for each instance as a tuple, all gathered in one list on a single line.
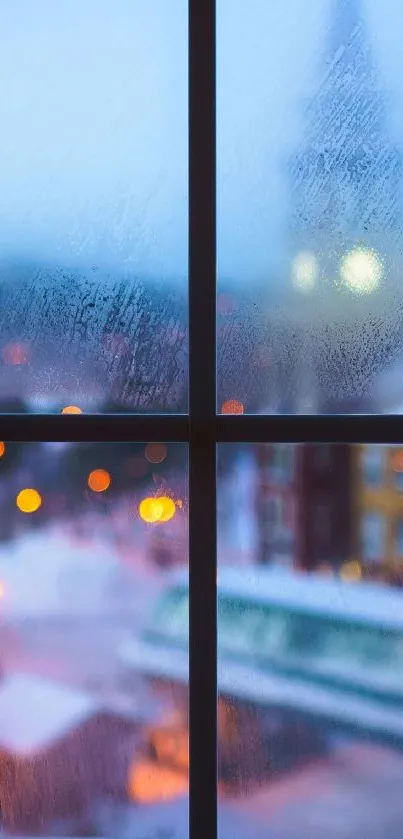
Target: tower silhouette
[(344, 225), (346, 174)]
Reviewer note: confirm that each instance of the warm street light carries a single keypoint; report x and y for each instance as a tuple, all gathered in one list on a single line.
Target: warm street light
[(361, 270), (99, 480), (71, 409), (28, 500), (157, 509), (232, 406)]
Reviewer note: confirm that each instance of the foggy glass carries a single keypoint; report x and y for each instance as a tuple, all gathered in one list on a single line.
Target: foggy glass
[(93, 206), (310, 202)]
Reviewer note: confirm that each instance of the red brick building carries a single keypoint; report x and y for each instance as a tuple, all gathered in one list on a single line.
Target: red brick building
[(303, 504)]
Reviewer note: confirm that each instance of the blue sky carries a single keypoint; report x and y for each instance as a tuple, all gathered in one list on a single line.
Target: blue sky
[(93, 109)]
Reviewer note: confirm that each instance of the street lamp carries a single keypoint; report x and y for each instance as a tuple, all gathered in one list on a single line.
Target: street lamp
[(361, 270)]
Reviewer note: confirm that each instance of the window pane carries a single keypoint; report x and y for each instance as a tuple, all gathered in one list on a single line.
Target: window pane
[(309, 130), (310, 647), (94, 676), (93, 205), (373, 466), (373, 532)]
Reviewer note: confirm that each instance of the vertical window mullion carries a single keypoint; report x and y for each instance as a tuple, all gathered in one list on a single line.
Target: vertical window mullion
[(202, 402)]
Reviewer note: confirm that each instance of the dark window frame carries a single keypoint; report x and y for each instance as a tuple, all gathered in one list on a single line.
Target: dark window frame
[(202, 429)]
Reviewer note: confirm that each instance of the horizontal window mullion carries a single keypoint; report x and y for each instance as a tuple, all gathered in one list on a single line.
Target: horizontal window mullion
[(175, 428), (336, 428), (144, 428)]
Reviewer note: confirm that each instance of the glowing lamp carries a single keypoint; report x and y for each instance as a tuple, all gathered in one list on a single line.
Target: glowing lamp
[(28, 500), (232, 406), (361, 270), (157, 509), (99, 480), (71, 409)]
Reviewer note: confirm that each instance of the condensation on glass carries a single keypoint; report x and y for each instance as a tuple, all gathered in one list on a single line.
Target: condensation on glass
[(93, 206), (93, 648), (310, 203), (310, 641)]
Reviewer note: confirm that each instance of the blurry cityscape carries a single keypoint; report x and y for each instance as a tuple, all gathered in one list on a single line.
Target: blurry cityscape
[(94, 537), (94, 640)]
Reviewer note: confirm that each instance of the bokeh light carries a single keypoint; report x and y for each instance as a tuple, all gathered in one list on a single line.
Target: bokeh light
[(361, 270), (304, 271), (99, 480), (2, 448), (168, 508), (232, 406), (155, 452), (157, 509), (351, 571), (28, 500), (71, 409)]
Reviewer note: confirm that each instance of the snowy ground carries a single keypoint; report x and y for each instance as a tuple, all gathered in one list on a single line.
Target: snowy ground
[(66, 608)]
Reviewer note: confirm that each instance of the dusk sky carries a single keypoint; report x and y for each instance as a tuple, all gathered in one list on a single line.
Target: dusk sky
[(93, 112)]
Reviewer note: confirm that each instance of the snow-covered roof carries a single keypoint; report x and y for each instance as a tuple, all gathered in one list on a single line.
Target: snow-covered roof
[(35, 712), (333, 598)]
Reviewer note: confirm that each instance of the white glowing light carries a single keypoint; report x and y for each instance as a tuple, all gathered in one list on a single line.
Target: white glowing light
[(304, 271), (361, 270)]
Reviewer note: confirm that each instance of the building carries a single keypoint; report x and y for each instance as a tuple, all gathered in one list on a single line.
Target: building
[(377, 481), (303, 505), (344, 234), (332, 508)]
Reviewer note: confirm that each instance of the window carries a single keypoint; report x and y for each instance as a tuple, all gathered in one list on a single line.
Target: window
[(373, 464), (290, 376), (373, 535)]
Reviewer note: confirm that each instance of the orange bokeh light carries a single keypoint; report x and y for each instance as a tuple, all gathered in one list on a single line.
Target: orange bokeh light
[(71, 409), (28, 500), (157, 509), (150, 782), (2, 448), (99, 480), (232, 406), (155, 452)]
